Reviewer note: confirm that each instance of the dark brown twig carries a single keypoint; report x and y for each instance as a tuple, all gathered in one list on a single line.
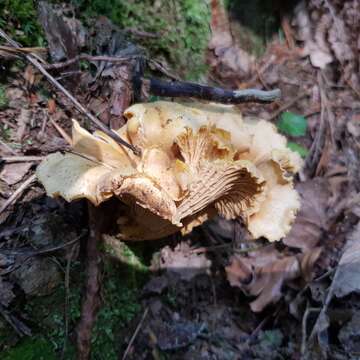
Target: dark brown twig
[(7, 147), (76, 103), (87, 57), (185, 89), (18, 192), (91, 299), (24, 256), (14, 159)]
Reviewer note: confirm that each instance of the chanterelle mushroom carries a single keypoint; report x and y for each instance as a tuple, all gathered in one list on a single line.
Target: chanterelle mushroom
[(197, 161)]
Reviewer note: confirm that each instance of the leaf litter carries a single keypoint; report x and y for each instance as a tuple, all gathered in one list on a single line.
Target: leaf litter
[(316, 261)]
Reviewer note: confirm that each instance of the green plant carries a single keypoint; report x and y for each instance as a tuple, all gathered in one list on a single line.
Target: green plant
[(182, 28), (3, 98), (120, 305), (302, 151), (19, 19), (35, 348), (293, 125)]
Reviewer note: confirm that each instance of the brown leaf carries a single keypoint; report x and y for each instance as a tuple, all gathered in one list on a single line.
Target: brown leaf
[(307, 262), (264, 272), (51, 106), (22, 121), (13, 173), (184, 262), (312, 218), (347, 278)]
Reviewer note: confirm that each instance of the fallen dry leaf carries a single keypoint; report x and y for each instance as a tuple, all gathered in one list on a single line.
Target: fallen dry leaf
[(346, 281), (22, 122), (197, 161), (264, 272), (311, 220), (349, 335), (13, 173), (184, 262), (347, 277), (315, 45), (51, 106)]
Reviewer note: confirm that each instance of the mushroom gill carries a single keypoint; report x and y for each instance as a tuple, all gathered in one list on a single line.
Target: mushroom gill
[(197, 161)]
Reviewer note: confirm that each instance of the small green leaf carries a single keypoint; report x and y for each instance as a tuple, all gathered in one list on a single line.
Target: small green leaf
[(302, 151), (154, 98), (292, 124)]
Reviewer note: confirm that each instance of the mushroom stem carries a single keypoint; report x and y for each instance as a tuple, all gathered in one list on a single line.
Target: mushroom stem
[(91, 300)]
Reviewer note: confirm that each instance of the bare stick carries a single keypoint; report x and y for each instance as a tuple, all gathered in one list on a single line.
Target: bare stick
[(87, 57), (203, 92), (15, 159), (7, 147), (91, 300), (76, 103), (135, 334), (18, 192), (307, 312), (61, 131)]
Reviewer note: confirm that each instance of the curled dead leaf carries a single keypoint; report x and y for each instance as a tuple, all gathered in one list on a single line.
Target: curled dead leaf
[(311, 220), (264, 272), (197, 161)]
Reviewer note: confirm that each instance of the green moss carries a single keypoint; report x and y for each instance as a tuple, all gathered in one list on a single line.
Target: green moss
[(19, 19), (36, 348), (3, 98), (120, 290), (182, 26)]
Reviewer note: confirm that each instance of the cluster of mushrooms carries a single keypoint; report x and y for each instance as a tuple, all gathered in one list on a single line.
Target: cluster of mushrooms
[(197, 161)]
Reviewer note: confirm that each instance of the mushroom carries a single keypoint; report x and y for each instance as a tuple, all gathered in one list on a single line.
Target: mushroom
[(197, 161)]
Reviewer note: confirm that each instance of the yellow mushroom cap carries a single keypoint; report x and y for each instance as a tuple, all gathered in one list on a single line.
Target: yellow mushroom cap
[(197, 161)]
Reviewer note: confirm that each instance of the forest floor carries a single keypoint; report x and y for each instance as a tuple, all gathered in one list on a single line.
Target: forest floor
[(149, 308)]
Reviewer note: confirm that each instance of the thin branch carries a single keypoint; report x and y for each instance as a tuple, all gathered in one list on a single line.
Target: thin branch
[(135, 334), (203, 92), (87, 57), (17, 192), (76, 103), (45, 250), (7, 147), (91, 300), (61, 131), (15, 159), (24, 256)]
